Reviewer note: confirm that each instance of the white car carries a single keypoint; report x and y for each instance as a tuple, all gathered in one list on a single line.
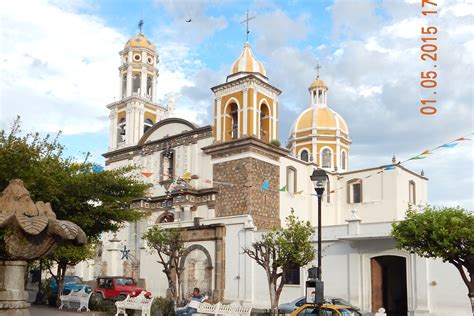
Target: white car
[(288, 308)]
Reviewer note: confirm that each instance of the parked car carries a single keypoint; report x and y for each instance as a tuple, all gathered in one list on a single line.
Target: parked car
[(326, 310), (330, 300), (115, 288), (71, 283)]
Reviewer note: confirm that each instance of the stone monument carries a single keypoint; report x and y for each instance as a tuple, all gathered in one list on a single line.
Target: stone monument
[(28, 231)]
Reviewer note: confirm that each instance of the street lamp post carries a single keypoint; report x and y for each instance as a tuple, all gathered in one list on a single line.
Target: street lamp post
[(319, 179)]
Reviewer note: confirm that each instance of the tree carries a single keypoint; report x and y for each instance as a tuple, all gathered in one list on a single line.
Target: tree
[(96, 201), (169, 245), (69, 255), (280, 250), (445, 233)]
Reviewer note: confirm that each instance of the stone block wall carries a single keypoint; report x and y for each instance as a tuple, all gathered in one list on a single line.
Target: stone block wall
[(239, 185)]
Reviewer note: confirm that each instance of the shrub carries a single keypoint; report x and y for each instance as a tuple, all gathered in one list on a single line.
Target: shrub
[(162, 307), (96, 303)]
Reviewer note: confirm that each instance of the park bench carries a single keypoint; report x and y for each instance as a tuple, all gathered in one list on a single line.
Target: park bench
[(80, 297), (224, 309), (139, 302)]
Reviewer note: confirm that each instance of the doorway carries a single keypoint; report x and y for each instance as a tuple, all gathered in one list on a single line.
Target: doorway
[(389, 285)]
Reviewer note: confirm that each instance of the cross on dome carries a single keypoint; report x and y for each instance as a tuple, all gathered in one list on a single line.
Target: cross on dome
[(247, 21), (318, 66), (140, 25)]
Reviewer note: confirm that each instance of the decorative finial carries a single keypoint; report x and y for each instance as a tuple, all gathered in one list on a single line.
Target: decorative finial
[(247, 21), (318, 66), (394, 160), (140, 25), (422, 172)]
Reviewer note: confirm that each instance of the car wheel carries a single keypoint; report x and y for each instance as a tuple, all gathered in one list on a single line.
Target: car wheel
[(121, 297)]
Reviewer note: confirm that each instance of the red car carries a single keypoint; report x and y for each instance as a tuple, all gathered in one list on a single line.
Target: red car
[(116, 288)]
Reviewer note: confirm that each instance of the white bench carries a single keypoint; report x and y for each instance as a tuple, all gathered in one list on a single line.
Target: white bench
[(223, 309), (81, 297), (139, 302)]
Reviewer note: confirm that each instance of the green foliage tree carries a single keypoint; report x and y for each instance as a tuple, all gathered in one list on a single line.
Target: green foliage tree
[(280, 250), (97, 201), (446, 233), (169, 245), (69, 255)]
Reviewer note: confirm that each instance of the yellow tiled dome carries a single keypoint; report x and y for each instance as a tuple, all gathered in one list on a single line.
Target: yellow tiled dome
[(140, 41), (318, 83), (325, 118), (247, 63)]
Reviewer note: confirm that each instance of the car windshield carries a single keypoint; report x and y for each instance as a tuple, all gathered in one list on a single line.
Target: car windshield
[(123, 281), (349, 312), (340, 301), (72, 279)]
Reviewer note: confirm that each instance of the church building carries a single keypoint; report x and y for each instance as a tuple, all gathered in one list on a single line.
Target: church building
[(228, 183)]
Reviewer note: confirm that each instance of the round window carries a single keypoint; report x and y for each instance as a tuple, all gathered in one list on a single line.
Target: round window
[(137, 57), (150, 60)]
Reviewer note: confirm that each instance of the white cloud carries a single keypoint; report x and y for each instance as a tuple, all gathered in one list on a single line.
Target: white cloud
[(59, 70)]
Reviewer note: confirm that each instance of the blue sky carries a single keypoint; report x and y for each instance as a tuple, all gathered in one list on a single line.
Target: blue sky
[(60, 62)]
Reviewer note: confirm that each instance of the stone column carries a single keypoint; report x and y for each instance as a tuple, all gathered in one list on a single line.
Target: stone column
[(113, 129), (274, 131), (114, 249), (187, 215), (129, 127), (143, 80), (141, 124), (129, 76), (245, 109), (12, 293), (218, 119), (254, 132)]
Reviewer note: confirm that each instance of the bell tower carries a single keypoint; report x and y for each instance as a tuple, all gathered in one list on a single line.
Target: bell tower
[(245, 160), (246, 104), (137, 108)]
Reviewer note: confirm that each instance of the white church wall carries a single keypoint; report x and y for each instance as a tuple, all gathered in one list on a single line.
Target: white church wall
[(305, 204), (171, 129), (447, 291)]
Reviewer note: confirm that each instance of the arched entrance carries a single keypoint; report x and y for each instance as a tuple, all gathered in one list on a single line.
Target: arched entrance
[(389, 284), (196, 267)]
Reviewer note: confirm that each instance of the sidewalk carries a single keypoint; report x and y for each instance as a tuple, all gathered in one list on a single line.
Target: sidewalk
[(43, 310)]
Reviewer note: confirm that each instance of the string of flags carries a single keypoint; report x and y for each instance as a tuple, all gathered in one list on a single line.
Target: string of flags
[(423, 155), (265, 186)]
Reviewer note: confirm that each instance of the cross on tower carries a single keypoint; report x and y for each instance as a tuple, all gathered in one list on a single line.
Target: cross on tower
[(140, 25), (318, 66), (247, 21)]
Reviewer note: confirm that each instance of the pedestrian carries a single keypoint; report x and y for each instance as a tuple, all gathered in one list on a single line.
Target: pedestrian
[(196, 299)]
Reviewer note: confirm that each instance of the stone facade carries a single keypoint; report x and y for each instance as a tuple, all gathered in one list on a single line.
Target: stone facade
[(217, 233), (239, 184)]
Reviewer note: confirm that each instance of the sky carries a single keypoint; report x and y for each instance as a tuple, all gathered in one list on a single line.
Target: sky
[(60, 69)]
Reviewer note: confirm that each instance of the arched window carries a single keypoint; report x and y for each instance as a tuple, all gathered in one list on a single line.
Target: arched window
[(343, 160), (147, 124), (304, 155), (148, 87), (136, 83), (264, 122), (291, 179), (326, 158), (411, 192), (121, 130), (354, 191), (233, 112), (124, 86)]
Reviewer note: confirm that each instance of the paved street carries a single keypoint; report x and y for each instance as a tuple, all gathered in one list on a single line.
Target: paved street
[(42, 310)]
